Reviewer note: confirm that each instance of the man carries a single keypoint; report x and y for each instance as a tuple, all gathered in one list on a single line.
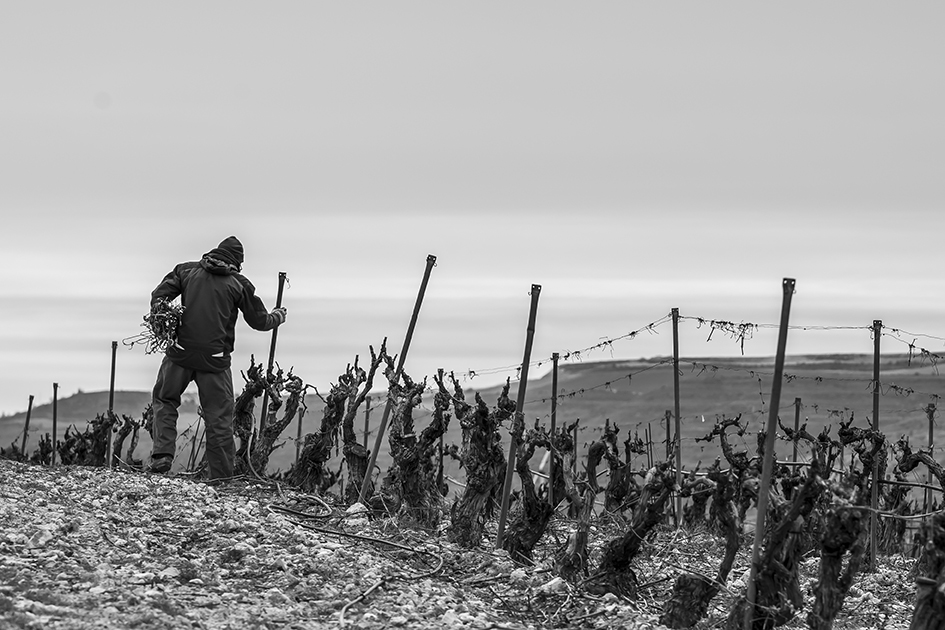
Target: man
[(211, 291)]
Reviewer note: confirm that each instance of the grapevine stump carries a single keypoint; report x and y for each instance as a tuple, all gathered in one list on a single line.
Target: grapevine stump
[(482, 456)]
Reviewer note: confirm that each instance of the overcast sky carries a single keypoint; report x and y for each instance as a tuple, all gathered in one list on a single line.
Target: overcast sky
[(627, 156)]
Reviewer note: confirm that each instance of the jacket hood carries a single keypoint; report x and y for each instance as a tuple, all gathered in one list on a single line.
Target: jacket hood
[(217, 266)]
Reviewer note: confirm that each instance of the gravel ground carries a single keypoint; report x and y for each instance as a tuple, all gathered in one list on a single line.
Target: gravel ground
[(84, 548)]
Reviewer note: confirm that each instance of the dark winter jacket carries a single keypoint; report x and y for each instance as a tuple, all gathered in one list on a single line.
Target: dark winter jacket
[(212, 291)]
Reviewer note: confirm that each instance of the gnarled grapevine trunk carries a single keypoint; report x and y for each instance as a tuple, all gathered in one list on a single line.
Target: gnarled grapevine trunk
[(778, 592), (892, 531), (844, 530), (745, 471), (692, 593), (620, 480), (529, 516), (827, 448), (12, 453), (356, 455), (286, 392), (244, 415), (129, 427), (411, 481), (311, 472), (842, 535), (911, 459), (614, 574), (482, 457), (571, 561), (698, 490), (43, 453), (88, 448), (870, 446)]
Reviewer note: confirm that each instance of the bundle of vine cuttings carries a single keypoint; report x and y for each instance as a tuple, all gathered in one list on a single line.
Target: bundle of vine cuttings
[(160, 326)]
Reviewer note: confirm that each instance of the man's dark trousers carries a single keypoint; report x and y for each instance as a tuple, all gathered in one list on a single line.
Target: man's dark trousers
[(215, 390)]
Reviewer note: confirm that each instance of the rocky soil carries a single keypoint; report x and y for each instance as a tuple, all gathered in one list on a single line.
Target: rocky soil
[(84, 548)]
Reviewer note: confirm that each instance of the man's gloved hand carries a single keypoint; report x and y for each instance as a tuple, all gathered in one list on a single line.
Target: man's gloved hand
[(279, 314)]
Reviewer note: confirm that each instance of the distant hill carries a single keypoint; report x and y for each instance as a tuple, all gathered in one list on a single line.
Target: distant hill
[(633, 394), (85, 406)]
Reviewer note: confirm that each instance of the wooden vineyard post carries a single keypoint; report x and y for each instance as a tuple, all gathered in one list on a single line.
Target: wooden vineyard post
[(439, 470), (675, 313), (797, 425), (674, 506), (382, 427), (649, 445), (298, 440), (367, 419), (668, 417), (930, 412), (768, 464), (193, 445), (520, 413), (26, 428), (111, 408), (554, 417), (272, 359), (874, 496), (55, 422), (575, 438)]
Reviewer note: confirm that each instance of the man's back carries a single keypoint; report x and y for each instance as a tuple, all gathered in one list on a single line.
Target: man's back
[(212, 292)]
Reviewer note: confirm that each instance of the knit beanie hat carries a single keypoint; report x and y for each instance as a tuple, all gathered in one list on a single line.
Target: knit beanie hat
[(229, 250)]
